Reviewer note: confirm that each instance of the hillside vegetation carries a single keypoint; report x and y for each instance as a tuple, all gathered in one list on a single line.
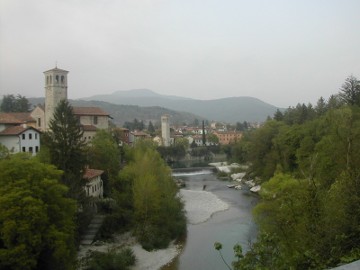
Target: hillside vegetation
[(127, 113), (230, 110), (308, 162)]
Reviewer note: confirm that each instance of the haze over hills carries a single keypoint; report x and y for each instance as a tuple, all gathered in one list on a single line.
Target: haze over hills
[(231, 110), (127, 113)]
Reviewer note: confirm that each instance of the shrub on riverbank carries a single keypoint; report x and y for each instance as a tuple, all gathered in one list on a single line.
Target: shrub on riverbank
[(112, 260), (158, 215)]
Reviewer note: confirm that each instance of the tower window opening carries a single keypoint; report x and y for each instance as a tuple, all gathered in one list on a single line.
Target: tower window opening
[(57, 78), (62, 79), (50, 79)]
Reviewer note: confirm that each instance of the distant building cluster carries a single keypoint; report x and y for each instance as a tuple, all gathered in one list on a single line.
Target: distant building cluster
[(21, 132)]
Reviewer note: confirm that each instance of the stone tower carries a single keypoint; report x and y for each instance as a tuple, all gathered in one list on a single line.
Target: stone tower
[(165, 129), (55, 91)]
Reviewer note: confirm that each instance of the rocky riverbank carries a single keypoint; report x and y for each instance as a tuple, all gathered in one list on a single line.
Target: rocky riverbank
[(199, 207)]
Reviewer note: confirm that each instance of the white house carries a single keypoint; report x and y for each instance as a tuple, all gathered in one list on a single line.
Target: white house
[(94, 184), (21, 138)]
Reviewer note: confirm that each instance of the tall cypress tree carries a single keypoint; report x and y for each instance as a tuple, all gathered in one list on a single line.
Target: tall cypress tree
[(203, 134), (66, 147)]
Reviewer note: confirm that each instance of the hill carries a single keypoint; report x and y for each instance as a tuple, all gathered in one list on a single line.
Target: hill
[(231, 110), (123, 113)]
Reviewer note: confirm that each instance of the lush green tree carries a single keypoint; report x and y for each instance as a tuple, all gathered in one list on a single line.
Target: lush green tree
[(4, 152), (278, 116), (290, 211), (151, 128), (183, 142), (104, 154), (339, 147), (135, 125), (201, 151), (158, 211), (67, 147), (36, 218), (176, 151), (193, 144), (203, 134), (240, 150), (334, 102), (286, 142), (308, 215), (320, 108), (212, 138), (299, 115), (350, 91), (262, 153), (10, 103), (116, 260)]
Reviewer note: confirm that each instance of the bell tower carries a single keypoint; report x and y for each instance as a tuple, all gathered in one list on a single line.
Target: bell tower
[(165, 129), (55, 91)]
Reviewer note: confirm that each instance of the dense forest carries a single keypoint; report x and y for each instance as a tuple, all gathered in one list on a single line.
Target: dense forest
[(307, 160)]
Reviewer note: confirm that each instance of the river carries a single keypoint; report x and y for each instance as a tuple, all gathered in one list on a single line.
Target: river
[(231, 226)]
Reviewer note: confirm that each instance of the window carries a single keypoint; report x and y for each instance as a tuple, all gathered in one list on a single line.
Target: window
[(95, 120), (30, 136), (39, 122), (50, 79), (62, 79), (57, 78), (30, 149), (23, 136), (36, 149), (35, 136), (24, 149)]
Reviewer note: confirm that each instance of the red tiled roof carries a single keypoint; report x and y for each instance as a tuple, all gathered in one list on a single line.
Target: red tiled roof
[(227, 132), (15, 130), (89, 111), (16, 118), (91, 173)]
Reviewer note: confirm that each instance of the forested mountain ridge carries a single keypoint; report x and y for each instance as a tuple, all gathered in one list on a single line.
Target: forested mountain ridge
[(127, 113), (230, 110), (308, 162)]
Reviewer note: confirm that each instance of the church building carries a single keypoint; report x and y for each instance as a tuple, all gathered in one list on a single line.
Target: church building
[(56, 89), (20, 132)]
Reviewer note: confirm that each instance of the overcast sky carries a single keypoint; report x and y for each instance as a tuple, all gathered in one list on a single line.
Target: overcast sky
[(280, 51)]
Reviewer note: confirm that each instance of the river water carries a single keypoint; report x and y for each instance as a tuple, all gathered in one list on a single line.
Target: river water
[(231, 226)]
